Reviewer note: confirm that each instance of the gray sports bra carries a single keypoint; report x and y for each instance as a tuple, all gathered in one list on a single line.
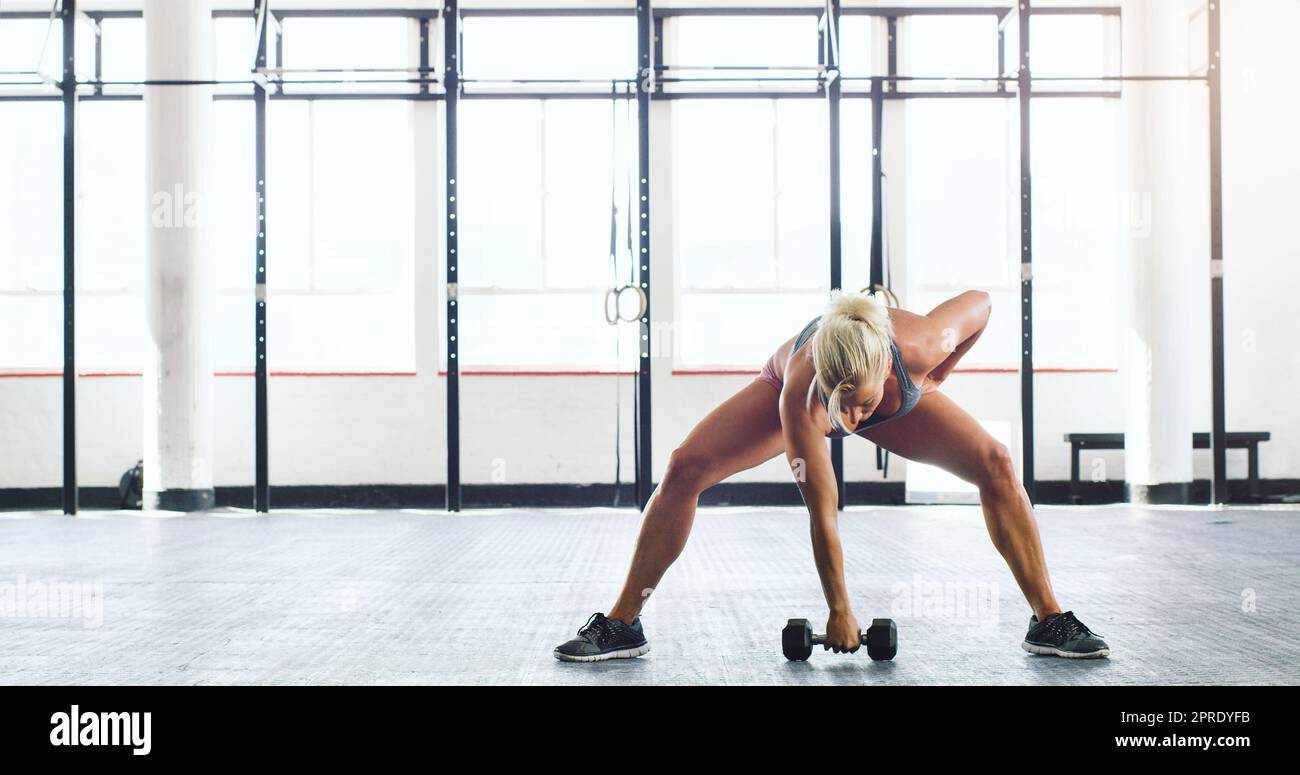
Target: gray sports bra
[(911, 393)]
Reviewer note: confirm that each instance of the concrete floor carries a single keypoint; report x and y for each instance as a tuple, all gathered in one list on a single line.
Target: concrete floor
[(1189, 596)]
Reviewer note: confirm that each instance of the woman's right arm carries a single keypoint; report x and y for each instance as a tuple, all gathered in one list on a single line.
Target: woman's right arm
[(805, 449), (957, 323)]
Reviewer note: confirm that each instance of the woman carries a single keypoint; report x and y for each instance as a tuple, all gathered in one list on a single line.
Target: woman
[(864, 369)]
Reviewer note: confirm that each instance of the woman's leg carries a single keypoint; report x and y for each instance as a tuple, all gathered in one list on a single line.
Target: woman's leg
[(940, 433), (741, 433)]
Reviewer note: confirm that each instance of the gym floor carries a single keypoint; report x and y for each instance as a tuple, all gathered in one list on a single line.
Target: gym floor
[(1183, 595)]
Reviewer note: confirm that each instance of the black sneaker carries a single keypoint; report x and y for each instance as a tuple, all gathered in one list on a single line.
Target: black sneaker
[(602, 638), (1063, 635)]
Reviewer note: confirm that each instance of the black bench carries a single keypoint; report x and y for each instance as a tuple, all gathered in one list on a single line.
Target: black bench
[(1247, 440)]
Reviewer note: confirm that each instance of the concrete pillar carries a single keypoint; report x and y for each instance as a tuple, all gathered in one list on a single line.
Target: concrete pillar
[(1166, 252), (178, 370)]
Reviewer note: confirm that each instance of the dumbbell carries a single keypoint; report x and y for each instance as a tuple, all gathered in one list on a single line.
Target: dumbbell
[(798, 639)]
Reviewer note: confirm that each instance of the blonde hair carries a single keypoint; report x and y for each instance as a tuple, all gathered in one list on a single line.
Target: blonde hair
[(850, 348)]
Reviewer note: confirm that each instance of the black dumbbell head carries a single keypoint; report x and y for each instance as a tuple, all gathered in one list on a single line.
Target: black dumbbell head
[(796, 640), (882, 639)]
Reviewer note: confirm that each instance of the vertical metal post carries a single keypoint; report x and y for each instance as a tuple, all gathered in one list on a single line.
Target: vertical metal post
[(1218, 438), (645, 49), (830, 52), (821, 50), (658, 56), (262, 467), (877, 270), (891, 27), (451, 80), (1002, 51), (424, 54), (97, 24), (1026, 264), (877, 159), (878, 151), (279, 39), (69, 89)]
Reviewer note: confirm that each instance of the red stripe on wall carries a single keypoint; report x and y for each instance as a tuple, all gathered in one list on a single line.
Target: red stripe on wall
[(96, 374), (322, 374), (32, 374), (503, 373)]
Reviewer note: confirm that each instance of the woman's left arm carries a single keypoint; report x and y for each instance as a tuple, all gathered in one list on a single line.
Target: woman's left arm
[(957, 323)]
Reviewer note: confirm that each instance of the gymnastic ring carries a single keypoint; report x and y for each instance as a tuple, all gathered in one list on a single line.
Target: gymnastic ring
[(890, 299), (613, 317), (642, 303)]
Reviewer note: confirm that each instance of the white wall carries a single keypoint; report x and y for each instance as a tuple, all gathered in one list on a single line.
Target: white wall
[(350, 430)]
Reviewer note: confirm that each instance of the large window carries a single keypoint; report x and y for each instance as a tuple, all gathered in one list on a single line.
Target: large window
[(751, 221), (370, 46), (858, 54), (750, 212), (750, 225), (113, 219), (1078, 212), (961, 195), (962, 170), (1074, 46), (531, 48), (339, 240), (339, 202), (31, 234), (1080, 209), (123, 49), (539, 184), (31, 45), (742, 41), (949, 47), (542, 180)]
